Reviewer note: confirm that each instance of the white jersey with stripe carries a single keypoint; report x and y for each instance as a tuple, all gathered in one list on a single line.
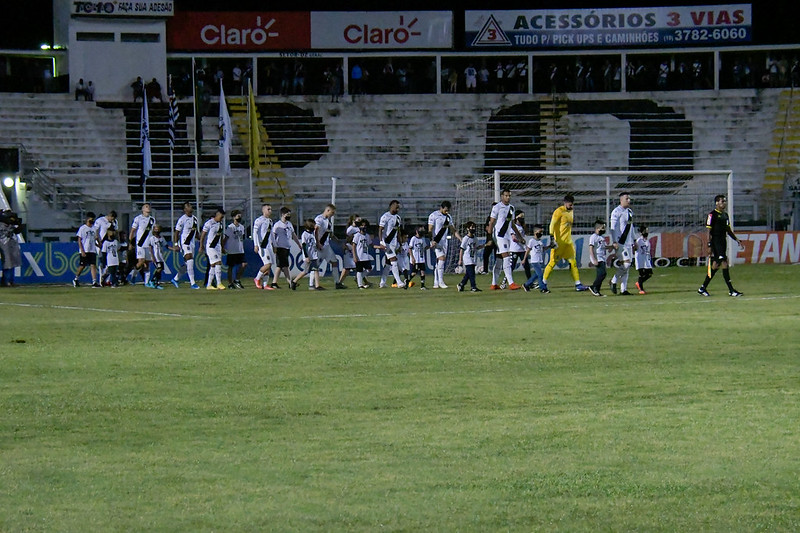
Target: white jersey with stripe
[(324, 225), (156, 244), (391, 226), (441, 223), (262, 227), (622, 226), (144, 225), (214, 231), (504, 216), (186, 227)]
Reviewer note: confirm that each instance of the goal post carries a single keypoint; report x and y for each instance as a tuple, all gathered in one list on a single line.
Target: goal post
[(668, 201)]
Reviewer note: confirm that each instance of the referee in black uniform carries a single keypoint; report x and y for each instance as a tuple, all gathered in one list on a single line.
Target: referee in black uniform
[(719, 227)]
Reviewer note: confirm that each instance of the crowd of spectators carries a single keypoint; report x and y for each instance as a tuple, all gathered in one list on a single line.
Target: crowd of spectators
[(760, 70)]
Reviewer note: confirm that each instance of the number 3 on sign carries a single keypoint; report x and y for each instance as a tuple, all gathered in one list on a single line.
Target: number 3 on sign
[(674, 19), (492, 34)]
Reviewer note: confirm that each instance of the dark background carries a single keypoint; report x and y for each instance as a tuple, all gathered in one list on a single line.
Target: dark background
[(26, 24)]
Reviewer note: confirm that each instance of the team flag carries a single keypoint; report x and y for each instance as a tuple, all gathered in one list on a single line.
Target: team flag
[(173, 114), (255, 134), (225, 133), (144, 141)]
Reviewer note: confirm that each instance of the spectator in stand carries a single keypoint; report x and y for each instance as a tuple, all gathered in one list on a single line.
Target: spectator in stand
[(499, 78), (80, 90), (794, 74), (247, 78), (356, 75), (511, 75), (299, 82), (219, 76), (389, 79), (286, 80), (483, 79), (554, 78), (452, 81), (522, 76), (237, 79), (580, 77), (663, 75), (402, 79), (90, 92), (338, 82), (154, 91), (471, 78)]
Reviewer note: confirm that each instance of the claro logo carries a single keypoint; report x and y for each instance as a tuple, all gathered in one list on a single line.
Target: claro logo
[(363, 33), (211, 34)]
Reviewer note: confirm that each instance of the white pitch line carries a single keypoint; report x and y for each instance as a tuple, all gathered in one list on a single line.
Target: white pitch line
[(533, 308), (97, 309)]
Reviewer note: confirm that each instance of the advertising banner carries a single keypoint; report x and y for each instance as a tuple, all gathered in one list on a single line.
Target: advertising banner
[(611, 27), (118, 8), (239, 32), (390, 30)]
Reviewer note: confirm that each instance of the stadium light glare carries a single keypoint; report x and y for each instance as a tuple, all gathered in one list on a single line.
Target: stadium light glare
[(45, 47), (8, 182)]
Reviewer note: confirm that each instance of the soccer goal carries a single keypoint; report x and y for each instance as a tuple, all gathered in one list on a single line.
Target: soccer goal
[(665, 200)]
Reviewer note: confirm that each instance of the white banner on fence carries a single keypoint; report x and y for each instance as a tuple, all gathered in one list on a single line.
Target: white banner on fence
[(588, 28), (396, 30)]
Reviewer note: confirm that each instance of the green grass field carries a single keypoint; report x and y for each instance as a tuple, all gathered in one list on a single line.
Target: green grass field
[(178, 410)]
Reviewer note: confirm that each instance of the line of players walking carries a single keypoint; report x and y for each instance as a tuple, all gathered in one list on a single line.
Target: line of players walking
[(122, 261)]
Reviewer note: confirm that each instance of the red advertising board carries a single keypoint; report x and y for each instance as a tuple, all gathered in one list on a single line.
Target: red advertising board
[(239, 32)]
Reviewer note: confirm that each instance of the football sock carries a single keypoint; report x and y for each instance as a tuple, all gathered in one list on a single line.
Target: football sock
[(496, 270), (507, 269), (385, 272), (360, 279), (190, 270), (181, 271), (727, 275), (218, 275), (573, 269), (147, 275), (396, 274), (440, 271), (335, 271), (709, 277)]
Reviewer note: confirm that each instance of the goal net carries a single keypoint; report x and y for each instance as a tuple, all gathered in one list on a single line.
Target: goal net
[(670, 202)]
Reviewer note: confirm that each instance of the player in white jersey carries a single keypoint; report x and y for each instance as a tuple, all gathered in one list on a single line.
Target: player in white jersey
[(262, 230), (348, 261), (622, 239), (416, 250), (282, 236), (644, 262), (439, 227), (110, 249), (140, 231), (359, 247), (519, 247), (388, 228), (323, 233), (101, 227), (403, 258), (87, 245), (186, 233), (501, 225), (234, 247), (155, 245), (311, 255), (211, 242)]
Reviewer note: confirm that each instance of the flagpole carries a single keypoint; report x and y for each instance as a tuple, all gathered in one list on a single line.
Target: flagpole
[(250, 142), (171, 193), (196, 145)]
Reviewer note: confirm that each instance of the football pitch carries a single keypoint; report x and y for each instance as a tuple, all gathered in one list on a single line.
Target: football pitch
[(178, 410)]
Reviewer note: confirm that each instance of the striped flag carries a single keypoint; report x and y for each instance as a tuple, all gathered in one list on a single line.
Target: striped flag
[(255, 134), (225, 134), (144, 141), (173, 114)]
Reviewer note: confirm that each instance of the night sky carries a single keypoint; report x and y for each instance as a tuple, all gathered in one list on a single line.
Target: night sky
[(28, 23)]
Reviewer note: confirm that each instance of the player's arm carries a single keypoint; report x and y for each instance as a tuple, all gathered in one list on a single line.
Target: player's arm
[(380, 234), (294, 237), (317, 237), (460, 256), (455, 232), (490, 226), (132, 236), (177, 232), (256, 227), (733, 236), (80, 246), (613, 229), (592, 256), (203, 240)]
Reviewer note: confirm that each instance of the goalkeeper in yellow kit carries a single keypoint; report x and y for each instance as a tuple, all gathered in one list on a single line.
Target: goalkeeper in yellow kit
[(561, 235)]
